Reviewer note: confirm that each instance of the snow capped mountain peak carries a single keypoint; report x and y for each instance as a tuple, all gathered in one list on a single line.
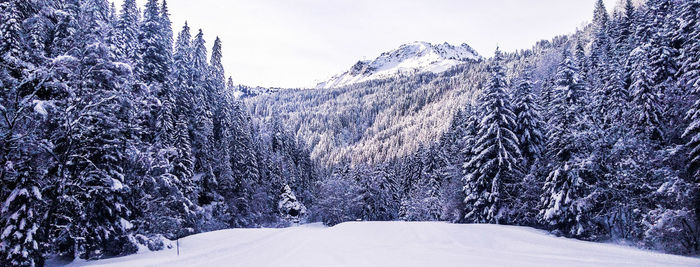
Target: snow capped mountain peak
[(409, 58)]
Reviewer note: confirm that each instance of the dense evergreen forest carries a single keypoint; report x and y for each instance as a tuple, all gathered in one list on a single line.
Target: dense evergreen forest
[(117, 134)]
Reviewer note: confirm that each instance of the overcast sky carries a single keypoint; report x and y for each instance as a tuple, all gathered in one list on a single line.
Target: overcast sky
[(293, 43)]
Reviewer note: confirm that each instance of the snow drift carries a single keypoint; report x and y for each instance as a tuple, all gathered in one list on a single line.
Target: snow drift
[(393, 244)]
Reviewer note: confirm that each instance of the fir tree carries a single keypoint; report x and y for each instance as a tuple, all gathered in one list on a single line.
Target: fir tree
[(563, 188), (22, 243), (645, 97), (95, 162), (601, 43), (529, 125), (153, 67), (128, 32), (496, 153)]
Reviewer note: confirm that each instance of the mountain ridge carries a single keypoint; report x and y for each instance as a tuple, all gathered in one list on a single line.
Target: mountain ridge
[(410, 58)]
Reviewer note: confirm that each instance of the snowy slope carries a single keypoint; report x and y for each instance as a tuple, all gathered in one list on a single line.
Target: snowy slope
[(393, 244), (409, 58)]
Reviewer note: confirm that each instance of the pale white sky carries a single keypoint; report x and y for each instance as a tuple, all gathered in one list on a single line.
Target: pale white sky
[(293, 43)]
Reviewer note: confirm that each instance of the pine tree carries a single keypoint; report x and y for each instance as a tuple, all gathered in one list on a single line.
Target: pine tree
[(432, 185), (167, 32), (661, 55), (529, 125), (625, 37), (153, 67), (244, 162), (23, 167), (97, 155), (183, 164), (601, 43), (563, 188), (202, 117), (127, 36), (217, 75), (199, 58), (644, 96), (496, 153), (21, 219), (182, 74), (290, 208), (688, 34)]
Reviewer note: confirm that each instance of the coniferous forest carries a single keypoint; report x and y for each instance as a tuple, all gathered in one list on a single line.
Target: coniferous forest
[(120, 130)]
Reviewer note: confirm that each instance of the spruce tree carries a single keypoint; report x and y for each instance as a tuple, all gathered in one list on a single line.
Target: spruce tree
[(529, 125), (564, 186), (688, 34), (601, 43), (645, 96), (153, 66), (97, 153), (22, 176), (496, 152), (182, 73), (127, 36), (20, 223)]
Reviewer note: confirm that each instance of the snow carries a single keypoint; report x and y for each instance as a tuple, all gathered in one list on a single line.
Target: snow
[(125, 224), (116, 184), (393, 244), (39, 107), (409, 58)]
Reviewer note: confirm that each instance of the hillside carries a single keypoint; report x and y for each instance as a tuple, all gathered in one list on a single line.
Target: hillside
[(379, 120)]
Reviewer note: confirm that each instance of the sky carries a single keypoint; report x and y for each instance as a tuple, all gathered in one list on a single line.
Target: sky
[(296, 43)]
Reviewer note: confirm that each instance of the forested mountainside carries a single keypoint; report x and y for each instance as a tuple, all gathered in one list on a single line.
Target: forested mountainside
[(114, 135), (593, 135), (385, 119)]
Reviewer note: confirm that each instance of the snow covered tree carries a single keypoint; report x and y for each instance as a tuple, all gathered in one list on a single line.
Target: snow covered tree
[(601, 43), (645, 96), (166, 31), (496, 153), (22, 175), (376, 190), (427, 203), (616, 97), (127, 36), (529, 125), (688, 34), (338, 200), (96, 154), (153, 66), (201, 118), (290, 208), (692, 134), (217, 75), (183, 164), (563, 189), (21, 218), (182, 73)]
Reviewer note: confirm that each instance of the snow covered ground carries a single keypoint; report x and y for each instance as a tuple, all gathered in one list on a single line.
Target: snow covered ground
[(393, 244)]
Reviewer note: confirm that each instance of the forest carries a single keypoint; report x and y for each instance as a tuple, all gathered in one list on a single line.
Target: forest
[(592, 135), (118, 132)]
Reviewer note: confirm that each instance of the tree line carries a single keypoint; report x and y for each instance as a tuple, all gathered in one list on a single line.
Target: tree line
[(115, 134)]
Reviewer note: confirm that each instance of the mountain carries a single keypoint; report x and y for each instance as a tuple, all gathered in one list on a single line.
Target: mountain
[(409, 58)]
